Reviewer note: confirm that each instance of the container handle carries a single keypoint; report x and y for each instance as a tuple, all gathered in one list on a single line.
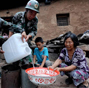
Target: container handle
[(24, 40)]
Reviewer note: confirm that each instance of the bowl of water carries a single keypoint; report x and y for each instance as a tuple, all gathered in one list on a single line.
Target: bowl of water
[(42, 76)]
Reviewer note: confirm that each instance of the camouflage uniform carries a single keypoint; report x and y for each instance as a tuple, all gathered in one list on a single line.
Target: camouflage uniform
[(29, 26), (10, 26)]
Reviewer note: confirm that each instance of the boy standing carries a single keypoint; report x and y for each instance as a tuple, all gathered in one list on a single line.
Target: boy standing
[(41, 53)]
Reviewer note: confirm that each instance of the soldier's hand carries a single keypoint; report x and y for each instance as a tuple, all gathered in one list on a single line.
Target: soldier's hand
[(1, 51), (28, 36), (24, 36), (10, 34)]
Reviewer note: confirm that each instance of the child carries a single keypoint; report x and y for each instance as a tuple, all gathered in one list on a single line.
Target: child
[(72, 62), (41, 53)]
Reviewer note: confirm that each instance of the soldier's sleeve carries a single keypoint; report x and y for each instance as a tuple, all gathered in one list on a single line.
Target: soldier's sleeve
[(16, 18), (14, 21), (1, 22), (10, 26), (34, 29), (4, 23), (15, 28)]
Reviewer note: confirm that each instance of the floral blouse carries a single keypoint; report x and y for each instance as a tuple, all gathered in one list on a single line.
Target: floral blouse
[(78, 59)]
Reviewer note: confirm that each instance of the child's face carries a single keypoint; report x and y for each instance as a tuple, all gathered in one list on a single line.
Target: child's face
[(39, 45)]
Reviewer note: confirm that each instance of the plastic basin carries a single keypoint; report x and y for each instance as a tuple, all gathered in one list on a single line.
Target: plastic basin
[(42, 76)]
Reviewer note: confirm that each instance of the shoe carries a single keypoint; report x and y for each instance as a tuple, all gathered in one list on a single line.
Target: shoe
[(68, 81), (82, 86)]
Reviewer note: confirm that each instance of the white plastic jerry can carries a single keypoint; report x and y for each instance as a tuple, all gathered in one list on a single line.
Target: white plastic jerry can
[(15, 49)]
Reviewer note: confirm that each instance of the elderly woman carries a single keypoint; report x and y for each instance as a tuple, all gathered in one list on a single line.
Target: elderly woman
[(72, 62)]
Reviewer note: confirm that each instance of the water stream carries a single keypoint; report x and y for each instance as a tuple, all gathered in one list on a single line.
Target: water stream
[(31, 56)]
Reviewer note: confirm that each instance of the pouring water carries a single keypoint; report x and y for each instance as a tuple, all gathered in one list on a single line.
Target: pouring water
[(31, 56)]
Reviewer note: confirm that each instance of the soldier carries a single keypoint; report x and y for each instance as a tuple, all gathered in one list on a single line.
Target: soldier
[(27, 20)]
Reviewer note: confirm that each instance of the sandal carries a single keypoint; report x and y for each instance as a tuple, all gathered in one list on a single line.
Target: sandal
[(68, 81)]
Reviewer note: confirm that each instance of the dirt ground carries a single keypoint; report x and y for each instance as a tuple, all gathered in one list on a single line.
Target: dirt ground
[(60, 82)]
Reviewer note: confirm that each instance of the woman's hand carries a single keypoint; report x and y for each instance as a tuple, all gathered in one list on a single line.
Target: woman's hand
[(50, 67), (58, 69)]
